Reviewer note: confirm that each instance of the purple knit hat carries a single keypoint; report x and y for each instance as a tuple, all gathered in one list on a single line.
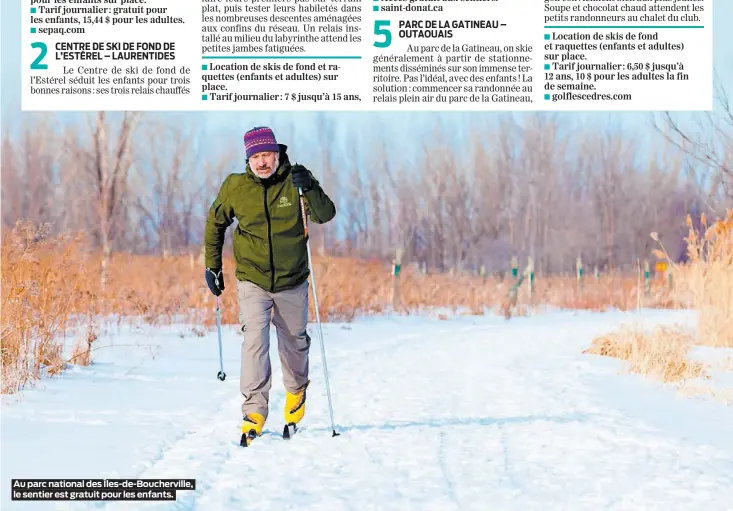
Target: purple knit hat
[(260, 139)]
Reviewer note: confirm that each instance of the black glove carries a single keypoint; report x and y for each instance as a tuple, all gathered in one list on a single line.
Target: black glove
[(215, 280), (301, 177)]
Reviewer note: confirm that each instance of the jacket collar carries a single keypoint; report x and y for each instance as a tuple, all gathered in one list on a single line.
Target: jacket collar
[(281, 170)]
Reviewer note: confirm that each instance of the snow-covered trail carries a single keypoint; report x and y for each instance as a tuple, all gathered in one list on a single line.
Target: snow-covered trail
[(469, 413)]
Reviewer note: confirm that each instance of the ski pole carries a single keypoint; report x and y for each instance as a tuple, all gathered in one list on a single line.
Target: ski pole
[(315, 303), (221, 375)]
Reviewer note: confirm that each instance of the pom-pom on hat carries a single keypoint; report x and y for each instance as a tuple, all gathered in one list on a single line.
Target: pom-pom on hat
[(260, 139)]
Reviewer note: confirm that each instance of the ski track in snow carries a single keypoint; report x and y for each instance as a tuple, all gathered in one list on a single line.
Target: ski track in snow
[(473, 413)]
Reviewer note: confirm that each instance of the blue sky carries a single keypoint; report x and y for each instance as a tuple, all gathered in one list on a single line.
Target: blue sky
[(400, 125)]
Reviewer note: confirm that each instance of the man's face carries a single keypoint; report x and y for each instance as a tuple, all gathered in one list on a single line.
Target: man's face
[(264, 164)]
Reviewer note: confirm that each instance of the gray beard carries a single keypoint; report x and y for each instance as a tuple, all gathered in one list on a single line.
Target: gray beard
[(271, 172)]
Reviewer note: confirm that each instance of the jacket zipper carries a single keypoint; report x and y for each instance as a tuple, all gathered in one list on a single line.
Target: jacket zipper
[(269, 239)]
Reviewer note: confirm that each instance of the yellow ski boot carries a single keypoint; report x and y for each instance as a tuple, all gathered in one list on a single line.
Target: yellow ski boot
[(251, 428), (294, 410)]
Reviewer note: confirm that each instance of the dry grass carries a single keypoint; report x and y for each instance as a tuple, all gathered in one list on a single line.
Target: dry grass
[(707, 280), (704, 283), (51, 285), (608, 291), (43, 289), (82, 352), (660, 355)]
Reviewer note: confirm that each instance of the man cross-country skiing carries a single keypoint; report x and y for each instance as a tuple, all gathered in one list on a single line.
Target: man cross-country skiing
[(270, 251)]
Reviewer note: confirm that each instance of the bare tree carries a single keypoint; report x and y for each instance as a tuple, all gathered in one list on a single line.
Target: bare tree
[(355, 200), (160, 188), (327, 169), (107, 159), (29, 173), (526, 185), (708, 142), (12, 184)]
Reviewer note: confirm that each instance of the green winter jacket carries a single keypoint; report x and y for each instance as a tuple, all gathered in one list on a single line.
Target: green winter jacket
[(269, 241)]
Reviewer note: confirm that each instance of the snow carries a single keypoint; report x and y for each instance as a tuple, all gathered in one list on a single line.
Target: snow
[(473, 412)]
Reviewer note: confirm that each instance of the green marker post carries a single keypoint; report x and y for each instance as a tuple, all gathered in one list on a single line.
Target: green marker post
[(579, 271), (396, 269), (530, 271)]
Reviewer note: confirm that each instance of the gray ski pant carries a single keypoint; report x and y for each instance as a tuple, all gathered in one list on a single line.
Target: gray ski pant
[(288, 311)]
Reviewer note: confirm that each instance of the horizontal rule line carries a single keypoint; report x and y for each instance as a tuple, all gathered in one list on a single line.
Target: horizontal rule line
[(621, 26), (279, 57)]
